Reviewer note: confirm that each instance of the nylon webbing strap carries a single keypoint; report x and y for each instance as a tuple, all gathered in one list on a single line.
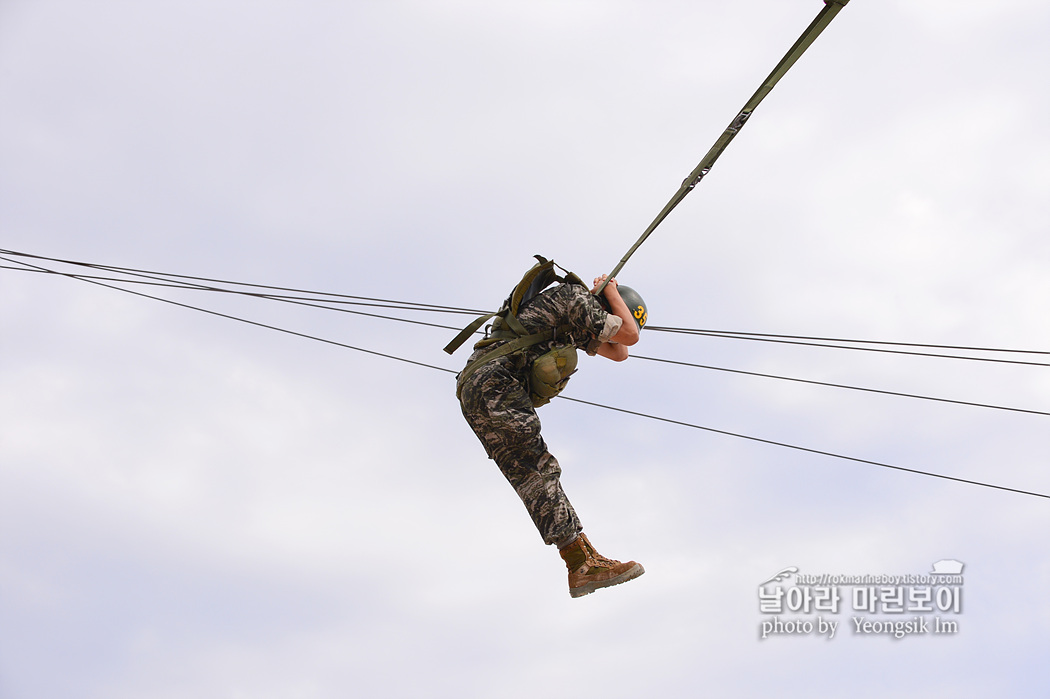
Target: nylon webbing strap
[(467, 332), (509, 348), (828, 13)]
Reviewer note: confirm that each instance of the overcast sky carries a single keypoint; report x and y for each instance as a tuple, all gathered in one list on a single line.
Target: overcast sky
[(194, 506)]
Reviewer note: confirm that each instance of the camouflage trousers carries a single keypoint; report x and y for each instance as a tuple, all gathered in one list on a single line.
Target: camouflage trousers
[(495, 402)]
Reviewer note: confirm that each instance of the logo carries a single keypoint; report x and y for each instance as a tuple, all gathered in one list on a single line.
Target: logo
[(895, 606)]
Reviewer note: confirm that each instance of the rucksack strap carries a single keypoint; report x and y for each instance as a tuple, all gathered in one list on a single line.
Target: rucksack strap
[(518, 344), (467, 332)]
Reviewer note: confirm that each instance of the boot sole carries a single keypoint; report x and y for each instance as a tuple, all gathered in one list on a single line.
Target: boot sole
[(590, 587)]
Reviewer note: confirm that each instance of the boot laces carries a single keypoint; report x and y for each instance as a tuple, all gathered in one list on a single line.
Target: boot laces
[(595, 559)]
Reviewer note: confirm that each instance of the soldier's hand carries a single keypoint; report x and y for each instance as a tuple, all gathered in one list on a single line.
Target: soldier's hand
[(598, 281)]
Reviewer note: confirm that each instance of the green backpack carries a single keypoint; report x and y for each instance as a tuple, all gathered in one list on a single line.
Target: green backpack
[(549, 372)]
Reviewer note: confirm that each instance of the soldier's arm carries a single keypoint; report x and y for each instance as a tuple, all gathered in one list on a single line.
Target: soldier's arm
[(612, 350), (628, 332), (616, 348)]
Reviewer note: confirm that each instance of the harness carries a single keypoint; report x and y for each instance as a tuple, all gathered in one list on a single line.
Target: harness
[(549, 372)]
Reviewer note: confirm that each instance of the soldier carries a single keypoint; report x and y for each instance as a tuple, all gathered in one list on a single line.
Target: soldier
[(500, 405)]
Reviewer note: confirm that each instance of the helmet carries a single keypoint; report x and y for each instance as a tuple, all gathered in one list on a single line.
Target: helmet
[(635, 304)]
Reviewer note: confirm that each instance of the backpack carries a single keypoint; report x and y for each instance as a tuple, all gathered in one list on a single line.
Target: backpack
[(549, 373)]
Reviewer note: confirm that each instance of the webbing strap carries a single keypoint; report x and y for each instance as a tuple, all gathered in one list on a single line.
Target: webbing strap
[(514, 324), (511, 347), (830, 9), (467, 332)]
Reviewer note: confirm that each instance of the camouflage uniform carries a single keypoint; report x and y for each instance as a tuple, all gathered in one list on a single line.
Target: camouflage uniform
[(495, 402)]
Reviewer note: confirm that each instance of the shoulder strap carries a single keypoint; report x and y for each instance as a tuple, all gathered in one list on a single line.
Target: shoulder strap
[(510, 347), (467, 332)]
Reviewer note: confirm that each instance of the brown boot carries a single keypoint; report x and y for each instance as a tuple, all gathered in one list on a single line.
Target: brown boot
[(589, 570)]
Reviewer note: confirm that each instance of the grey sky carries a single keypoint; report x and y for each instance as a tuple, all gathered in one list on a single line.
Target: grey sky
[(190, 506)]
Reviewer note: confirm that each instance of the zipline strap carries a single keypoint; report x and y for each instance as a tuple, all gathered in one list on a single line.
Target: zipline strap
[(831, 8)]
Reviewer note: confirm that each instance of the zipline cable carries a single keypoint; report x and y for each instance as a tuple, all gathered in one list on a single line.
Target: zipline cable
[(838, 385), (408, 305), (809, 450), (636, 356), (296, 300), (828, 12), (748, 335), (575, 400), (730, 336), (170, 280), (249, 322)]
